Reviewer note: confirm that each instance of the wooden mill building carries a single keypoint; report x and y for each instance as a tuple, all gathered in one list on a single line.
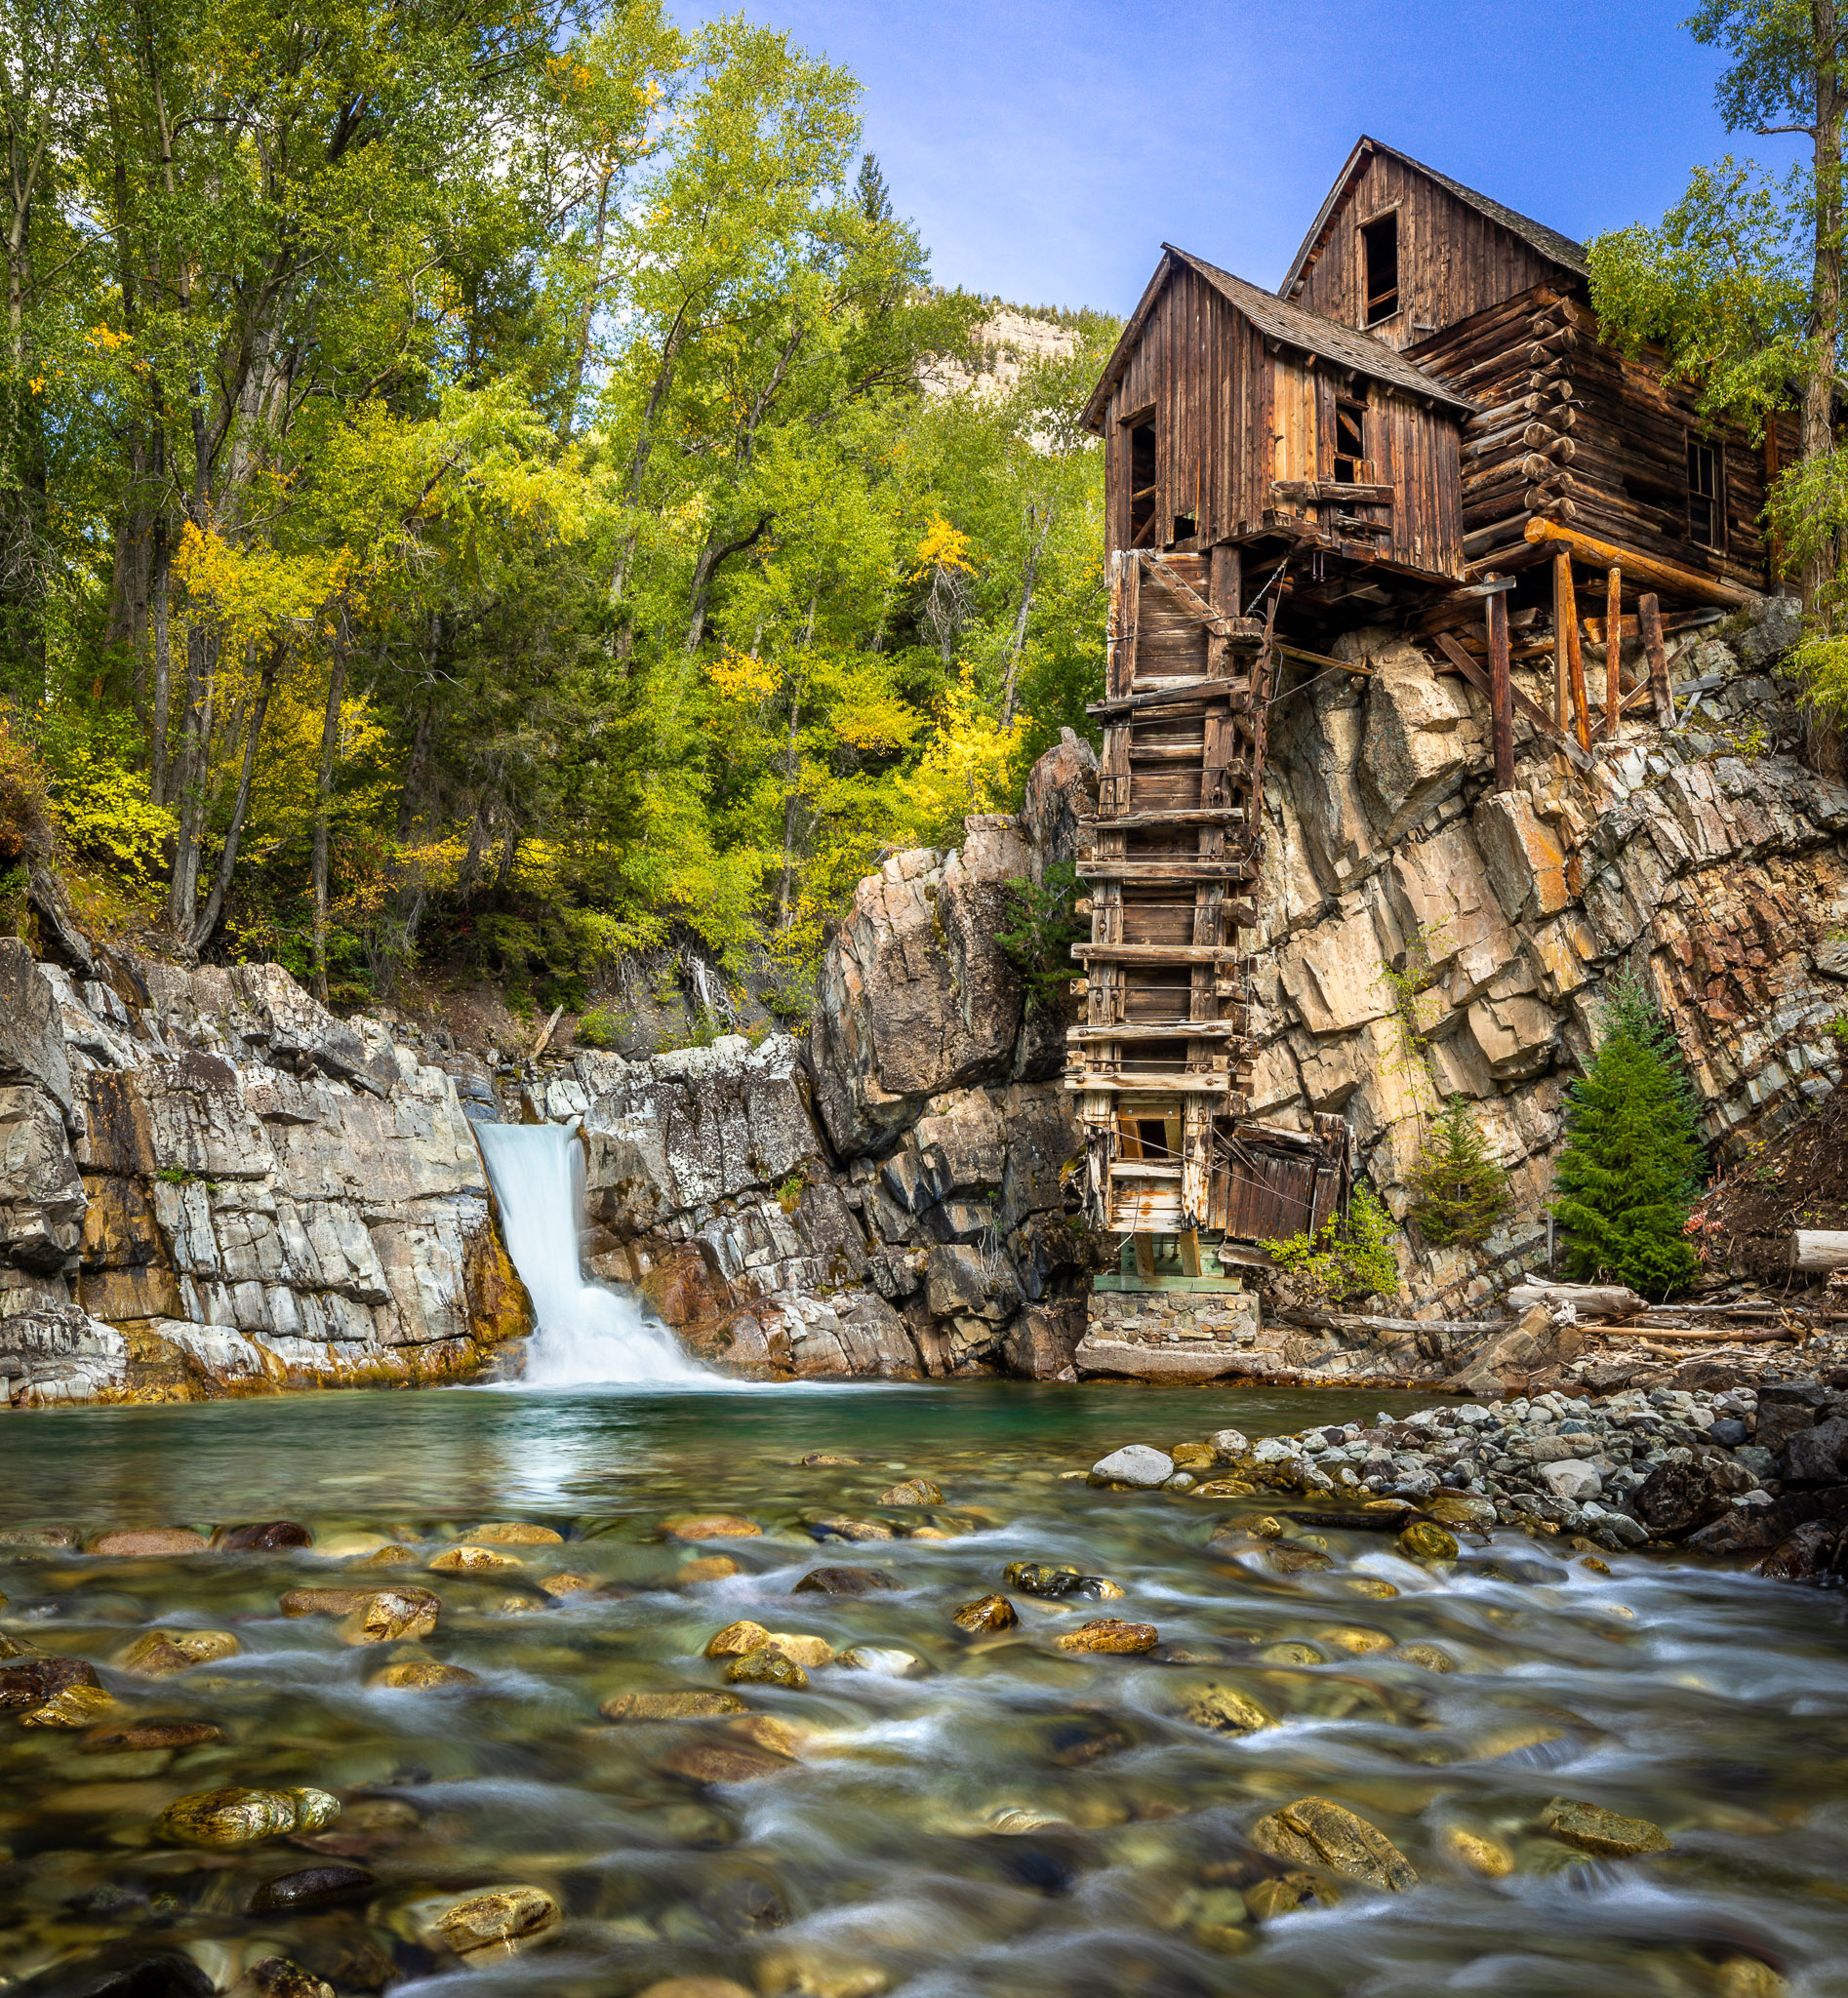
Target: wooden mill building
[(1422, 428)]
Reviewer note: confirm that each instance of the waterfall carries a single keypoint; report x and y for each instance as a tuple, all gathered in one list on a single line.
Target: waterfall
[(586, 1334)]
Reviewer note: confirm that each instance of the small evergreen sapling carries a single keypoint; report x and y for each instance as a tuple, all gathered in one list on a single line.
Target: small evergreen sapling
[(1457, 1190), (1630, 1172)]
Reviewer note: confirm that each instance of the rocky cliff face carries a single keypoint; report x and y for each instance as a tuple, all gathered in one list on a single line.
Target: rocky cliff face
[(1722, 875), (209, 1185)]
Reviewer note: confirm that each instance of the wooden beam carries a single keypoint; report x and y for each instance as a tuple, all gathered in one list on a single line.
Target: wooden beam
[(1562, 616), (1193, 692), (1185, 595), (1188, 814), (1153, 1082), (1470, 671), (1649, 623), (1500, 692), (1157, 953), (1613, 653), (1665, 575), (1144, 1256), (1575, 651), (1178, 873), (1160, 1030), (1189, 1251)]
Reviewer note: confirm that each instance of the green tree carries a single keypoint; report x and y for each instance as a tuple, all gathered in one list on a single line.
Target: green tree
[(1741, 284), (1630, 1172), (1457, 1190)]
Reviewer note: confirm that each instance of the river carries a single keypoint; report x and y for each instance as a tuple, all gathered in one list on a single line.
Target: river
[(1012, 1820)]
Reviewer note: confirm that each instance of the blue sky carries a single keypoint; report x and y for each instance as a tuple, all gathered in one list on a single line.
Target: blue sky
[(1046, 147)]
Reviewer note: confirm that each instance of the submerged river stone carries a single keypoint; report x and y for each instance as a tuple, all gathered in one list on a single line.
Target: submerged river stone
[(157, 1654), (1594, 1829), (77, 1706), (423, 1675), (311, 1887), (913, 1492), (234, 1816), (1110, 1635), (469, 1559), (33, 1681), (1315, 1832), (986, 1612), (517, 1532), (711, 1526), (391, 1614), (671, 1707), (765, 1666), (499, 1916), (262, 1537), (132, 1736), (142, 1542), (844, 1581), (721, 1762), (736, 1639), (1426, 1540), (1224, 1709)]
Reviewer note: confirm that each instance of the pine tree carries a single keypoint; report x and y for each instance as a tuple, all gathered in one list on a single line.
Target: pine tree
[(870, 190), (1458, 1189), (1630, 1171)]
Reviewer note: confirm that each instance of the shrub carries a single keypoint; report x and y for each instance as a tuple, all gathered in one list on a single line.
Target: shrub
[(1042, 929), (1347, 1259), (597, 1027), (1457, 1190), (1630, 1172), (25, 824)]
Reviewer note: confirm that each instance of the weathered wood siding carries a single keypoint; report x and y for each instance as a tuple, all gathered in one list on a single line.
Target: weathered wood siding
[(1453, 261), (1232, 415)]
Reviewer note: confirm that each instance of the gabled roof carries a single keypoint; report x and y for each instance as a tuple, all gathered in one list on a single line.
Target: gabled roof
[(1277, 319), (1549, 243)]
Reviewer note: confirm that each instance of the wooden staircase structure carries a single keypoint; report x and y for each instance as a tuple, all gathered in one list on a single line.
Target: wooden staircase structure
[(1161, 1053)]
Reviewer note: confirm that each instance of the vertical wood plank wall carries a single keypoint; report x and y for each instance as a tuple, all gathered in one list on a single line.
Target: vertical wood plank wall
[(1453, 260)]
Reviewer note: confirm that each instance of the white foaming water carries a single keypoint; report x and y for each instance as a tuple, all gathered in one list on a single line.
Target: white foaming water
[(586, 1335)]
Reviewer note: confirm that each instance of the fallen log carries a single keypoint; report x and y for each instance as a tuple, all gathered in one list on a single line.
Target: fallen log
[(1819, 1248), (1746, 1335), (1607, 1300)]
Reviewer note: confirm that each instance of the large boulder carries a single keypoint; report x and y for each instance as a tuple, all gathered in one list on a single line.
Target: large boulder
[(31, 1033), (42, 1202), (915, 996), (1420, 740)]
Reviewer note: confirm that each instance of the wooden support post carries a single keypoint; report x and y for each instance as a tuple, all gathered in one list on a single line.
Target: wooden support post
[(1613, 652), (1144, 1256), (1189, 1251), (1575, 650), (1561, 645), (1500, 692), (1649, 624)]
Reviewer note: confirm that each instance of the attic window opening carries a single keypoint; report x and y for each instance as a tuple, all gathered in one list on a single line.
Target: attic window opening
[(1185, 528), (1379, 267), (1702, 492), (1351, 442), (1141, 484)]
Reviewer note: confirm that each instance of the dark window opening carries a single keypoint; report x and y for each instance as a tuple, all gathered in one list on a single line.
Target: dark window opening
[(1153, 1134), (1351, 443), (1703, 495), (1380, 263), (1183, 529), (1141, 485)]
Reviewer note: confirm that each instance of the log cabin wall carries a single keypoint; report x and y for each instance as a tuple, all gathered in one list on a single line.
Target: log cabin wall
[(1453, 260), (1571, 430)]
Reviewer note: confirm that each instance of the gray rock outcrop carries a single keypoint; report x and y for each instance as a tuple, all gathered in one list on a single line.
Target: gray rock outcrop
[(209, 1184)]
